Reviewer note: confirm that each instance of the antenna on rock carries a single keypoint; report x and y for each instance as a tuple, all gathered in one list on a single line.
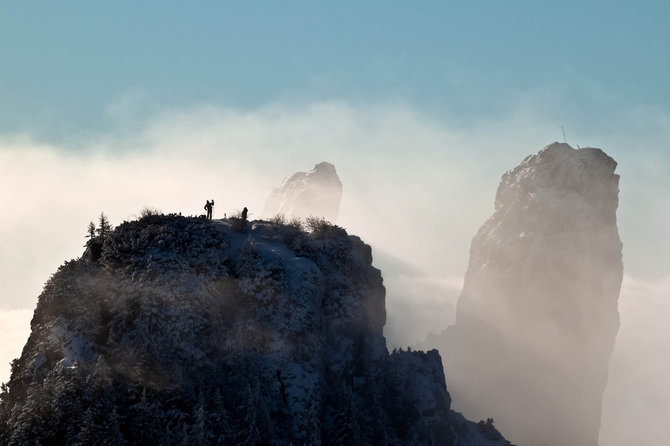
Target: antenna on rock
[(563, 130)]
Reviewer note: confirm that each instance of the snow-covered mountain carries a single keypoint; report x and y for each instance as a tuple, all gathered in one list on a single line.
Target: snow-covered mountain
[(175, 330), (305, 194), (537, 317)]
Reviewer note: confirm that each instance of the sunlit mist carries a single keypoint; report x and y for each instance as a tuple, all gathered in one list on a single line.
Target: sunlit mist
[(413, 188)]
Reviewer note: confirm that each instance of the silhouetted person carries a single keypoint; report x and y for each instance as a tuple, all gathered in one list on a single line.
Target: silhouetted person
[(208, 207), (244, 214)]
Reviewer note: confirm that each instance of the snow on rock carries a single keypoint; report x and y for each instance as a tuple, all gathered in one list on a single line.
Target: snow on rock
[(304, 194), (537, 317), (177, 330)]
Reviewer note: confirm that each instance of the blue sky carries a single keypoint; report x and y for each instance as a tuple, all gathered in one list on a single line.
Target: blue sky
[(63, 64), (402, 81), (72, 72)]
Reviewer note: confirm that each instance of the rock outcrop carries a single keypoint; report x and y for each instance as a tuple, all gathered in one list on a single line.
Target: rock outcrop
[(537, 317), (178, 330), (315, 193)]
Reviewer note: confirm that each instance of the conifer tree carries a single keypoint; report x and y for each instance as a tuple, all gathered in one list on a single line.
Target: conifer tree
[(199, 429), (252, 435), (345, 428), (104, 227), (91, 230), (112, 435), (314, 425), (87, 434), (219, 419)]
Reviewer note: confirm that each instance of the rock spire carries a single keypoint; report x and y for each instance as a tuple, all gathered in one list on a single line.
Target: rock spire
[(537, 317)]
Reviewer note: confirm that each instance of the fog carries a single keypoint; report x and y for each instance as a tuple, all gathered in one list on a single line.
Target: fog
[(415, 188), (637, 398), (537, 319)]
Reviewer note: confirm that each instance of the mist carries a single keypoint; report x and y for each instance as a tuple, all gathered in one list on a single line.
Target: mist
[(537, 318), (414, 188), (637, 398)]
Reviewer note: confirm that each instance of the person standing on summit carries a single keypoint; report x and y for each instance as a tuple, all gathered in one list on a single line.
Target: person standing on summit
[(208, 207)]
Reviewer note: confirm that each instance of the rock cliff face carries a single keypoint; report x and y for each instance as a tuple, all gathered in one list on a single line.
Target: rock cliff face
[(537, 318), (315, 193), (178, 330)]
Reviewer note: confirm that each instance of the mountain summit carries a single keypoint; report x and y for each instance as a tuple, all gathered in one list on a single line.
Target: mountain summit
[(173, 330), (537, 318), (305, 194)]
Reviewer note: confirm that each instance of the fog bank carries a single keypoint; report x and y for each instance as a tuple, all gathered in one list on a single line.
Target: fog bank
[(415, 188)]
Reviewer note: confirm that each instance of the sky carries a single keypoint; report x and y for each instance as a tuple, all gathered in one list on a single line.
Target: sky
[(421, 107)]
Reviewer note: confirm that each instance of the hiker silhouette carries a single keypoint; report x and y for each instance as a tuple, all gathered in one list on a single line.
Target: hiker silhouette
[(208, 207), (244, 213)]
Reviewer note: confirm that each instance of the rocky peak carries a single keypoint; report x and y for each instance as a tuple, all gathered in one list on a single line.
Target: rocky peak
[(537, 317), (558, 175), (304, 194), (179, 330), (324, 169)]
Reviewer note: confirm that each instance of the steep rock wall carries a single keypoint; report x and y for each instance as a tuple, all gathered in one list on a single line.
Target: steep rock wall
[(537, 317), (178, 330)]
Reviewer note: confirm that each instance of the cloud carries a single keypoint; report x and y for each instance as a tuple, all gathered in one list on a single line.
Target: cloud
[(637, 397), (400, 171), (415, 188), (418, 305), (411, 186), (14, 331)]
